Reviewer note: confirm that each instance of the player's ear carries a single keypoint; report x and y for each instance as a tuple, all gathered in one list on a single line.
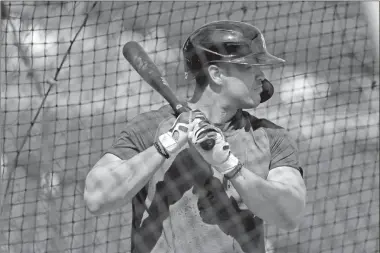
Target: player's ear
[(216, 77)]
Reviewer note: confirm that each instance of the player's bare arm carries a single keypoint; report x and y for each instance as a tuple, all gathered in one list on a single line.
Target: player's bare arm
[(279, 199), (113, 182)]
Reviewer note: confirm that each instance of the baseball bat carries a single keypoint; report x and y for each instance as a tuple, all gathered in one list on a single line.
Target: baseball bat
[(135, 54)]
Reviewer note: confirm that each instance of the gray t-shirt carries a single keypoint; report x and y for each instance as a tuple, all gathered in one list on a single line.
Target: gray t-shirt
[(187, 207)]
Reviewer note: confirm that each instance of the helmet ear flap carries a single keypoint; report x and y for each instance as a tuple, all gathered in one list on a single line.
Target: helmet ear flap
[(198, 91), (267, 92)]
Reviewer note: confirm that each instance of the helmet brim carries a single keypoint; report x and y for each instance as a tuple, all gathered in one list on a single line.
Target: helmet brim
[(261, 59)]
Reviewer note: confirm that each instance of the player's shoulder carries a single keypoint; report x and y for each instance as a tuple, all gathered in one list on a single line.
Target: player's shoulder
[(277, 135), (283, 146), (272, 130), (152, 117), (148, 122), (257, 123)]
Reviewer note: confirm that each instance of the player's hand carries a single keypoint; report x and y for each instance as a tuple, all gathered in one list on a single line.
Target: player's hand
[(176, 138), (220, 156)]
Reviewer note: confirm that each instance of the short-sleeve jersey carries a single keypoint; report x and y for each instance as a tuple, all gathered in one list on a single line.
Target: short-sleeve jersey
[(187, 207)]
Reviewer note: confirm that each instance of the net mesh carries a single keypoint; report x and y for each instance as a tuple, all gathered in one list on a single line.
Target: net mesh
[(327, 96)]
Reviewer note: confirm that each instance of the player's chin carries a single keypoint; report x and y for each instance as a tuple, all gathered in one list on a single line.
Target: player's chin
[(251, 103), (249, 106)]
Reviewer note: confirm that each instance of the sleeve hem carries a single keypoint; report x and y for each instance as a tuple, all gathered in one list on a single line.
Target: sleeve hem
[(112, 153), (299, 168), (120, 155)]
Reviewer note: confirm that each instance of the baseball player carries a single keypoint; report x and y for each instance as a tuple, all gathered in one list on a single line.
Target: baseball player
[(189, 200)]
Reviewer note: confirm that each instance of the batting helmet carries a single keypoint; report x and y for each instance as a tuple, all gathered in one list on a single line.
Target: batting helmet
[(229, 42)]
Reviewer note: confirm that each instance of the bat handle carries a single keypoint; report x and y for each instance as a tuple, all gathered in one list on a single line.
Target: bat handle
[(207, 144)]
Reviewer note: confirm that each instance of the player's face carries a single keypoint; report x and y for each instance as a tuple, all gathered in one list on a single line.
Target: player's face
[(242, 85)]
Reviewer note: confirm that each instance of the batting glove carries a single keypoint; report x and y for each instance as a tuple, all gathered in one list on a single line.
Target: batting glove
[(175, 139), (220, 156)]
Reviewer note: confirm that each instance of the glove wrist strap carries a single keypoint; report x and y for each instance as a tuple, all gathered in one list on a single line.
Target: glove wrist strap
[(228, 165), (161, 149), (234, 172), (167, 141)]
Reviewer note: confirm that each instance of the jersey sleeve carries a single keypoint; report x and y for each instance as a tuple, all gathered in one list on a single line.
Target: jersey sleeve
[(138, 134), (283, 149), (128, 144)]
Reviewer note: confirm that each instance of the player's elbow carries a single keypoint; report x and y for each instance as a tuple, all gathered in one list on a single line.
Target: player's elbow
[(292, 219), (97, 206), (105, 191), (94, 193), (287, 222), (92, 205), (289, 225)]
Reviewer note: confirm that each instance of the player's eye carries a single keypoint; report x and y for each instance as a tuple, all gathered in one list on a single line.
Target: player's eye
[(246, 67)]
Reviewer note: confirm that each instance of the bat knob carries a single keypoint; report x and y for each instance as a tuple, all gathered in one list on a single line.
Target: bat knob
[(207, 144)]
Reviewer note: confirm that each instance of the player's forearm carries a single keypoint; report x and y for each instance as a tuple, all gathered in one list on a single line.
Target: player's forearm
[(275, 202), (113, 185)]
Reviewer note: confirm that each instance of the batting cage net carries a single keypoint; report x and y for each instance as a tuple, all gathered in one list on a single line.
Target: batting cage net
[(326, 96)]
